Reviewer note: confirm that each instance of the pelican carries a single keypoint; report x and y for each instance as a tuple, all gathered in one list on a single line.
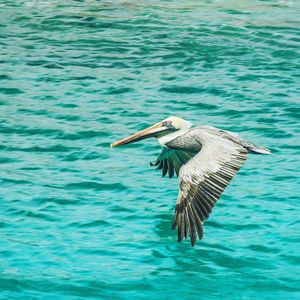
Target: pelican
[(204, 158)]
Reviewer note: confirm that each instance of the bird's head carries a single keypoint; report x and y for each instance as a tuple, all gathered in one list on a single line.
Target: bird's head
[(157, 130)]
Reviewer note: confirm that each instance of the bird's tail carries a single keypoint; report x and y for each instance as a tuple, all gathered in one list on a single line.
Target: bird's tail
[(257, 149)]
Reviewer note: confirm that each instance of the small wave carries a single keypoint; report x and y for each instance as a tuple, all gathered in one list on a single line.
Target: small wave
[(114, 91), (91, 224), (183, 89), (95, 186), (10, 91)]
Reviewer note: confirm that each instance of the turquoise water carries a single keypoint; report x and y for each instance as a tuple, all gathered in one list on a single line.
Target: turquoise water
[(82, 221)]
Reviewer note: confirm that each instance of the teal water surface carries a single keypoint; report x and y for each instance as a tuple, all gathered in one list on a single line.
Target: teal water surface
[(82, 221)]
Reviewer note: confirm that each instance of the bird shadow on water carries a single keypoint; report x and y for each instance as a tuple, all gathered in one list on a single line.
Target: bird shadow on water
[(168, 238), (209, 256)]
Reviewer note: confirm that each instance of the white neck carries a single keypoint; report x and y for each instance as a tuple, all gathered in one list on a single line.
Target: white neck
[(171, 136)]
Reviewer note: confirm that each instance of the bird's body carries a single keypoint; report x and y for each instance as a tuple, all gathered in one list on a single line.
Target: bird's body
[(205, 159)]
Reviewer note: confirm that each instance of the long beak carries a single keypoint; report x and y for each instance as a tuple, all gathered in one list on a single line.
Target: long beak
[(140, 135)]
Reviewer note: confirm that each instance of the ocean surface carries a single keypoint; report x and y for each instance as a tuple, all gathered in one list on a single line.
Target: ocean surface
[(79, 220)]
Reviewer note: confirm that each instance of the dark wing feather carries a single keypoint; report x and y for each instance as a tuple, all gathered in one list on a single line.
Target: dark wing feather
[(202, 181), (170, 161)]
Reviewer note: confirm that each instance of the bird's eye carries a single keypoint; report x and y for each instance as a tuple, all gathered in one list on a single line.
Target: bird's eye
[(167, 123)]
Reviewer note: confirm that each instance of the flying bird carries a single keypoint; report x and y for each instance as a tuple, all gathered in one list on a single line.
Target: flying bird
[(204, 158)]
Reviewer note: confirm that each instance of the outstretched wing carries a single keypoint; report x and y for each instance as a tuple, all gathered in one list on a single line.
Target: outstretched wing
[(171, 160), (202, 181)]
